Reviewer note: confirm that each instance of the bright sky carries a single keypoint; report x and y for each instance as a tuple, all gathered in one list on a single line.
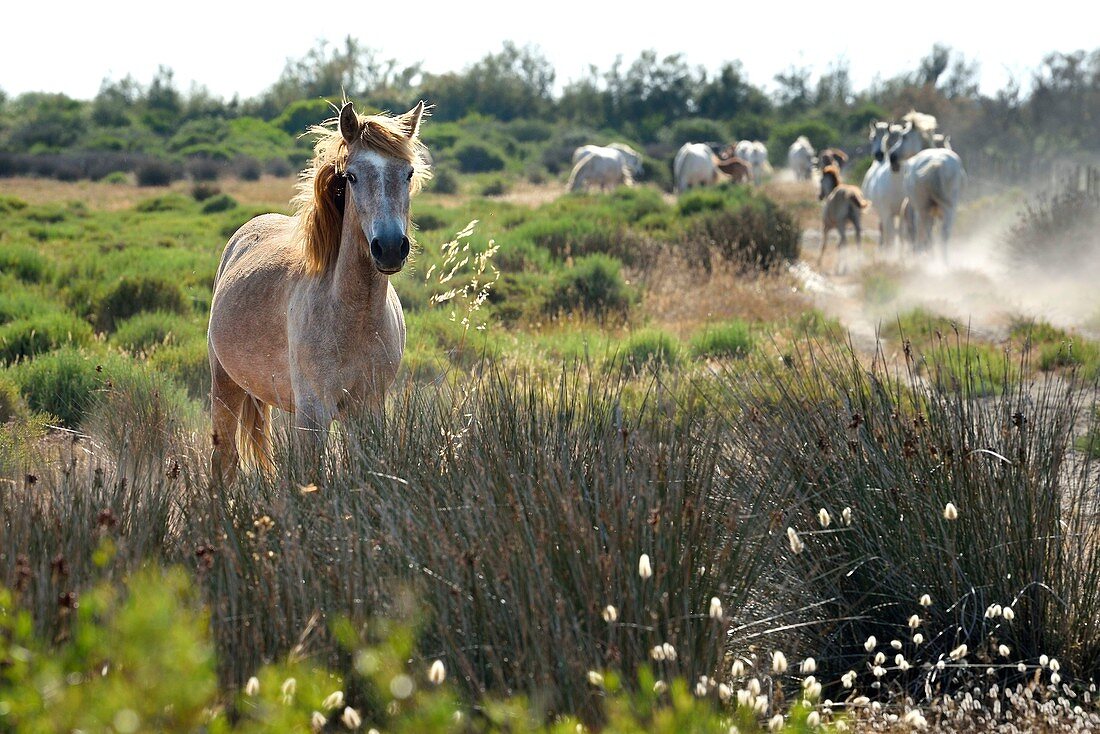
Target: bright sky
[(241, 47)]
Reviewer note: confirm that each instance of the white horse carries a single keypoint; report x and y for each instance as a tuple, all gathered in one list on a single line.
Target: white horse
[(884, 187), (756, 153), (631, 158), (933, 179), (601, 167), (800, 158), (694, 165), (304, 317)]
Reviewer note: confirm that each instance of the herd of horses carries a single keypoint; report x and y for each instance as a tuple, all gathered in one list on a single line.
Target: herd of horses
[(915, 179), (304, 318)]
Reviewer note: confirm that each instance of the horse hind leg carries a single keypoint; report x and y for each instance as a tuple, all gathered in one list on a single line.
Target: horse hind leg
[(227, 400)]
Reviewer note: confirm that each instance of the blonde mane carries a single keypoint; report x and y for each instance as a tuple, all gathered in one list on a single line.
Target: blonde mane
[(318, 204), (924, 123)]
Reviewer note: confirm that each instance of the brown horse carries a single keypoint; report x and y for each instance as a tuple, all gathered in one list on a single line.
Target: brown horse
[(832, 157), (843, 203), (304, 317), (738, 169)]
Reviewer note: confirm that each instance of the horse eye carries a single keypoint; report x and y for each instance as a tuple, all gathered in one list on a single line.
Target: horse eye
[(409, 177), (351, 177)]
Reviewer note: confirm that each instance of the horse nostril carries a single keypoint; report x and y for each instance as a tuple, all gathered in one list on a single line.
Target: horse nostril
[(376, 249), (404, 247)]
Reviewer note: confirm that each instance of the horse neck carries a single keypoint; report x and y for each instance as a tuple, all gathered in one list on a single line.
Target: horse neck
[(356, 281)]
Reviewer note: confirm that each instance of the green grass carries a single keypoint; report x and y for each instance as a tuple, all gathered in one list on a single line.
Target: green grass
[(729, 339)]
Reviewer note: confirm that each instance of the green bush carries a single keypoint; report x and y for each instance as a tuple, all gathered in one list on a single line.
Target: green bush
[(444, 181), (149, 329), (746, 228), (202, 191), (24, 338), (19, 302), (62, 383), (131, 295), (729, 339), (821, 135), (155, 173), (188, 364), (117, 177), (477, 158), (494, 187), (25, 263), (163, 203), (11, 204), (593, 286), (11, 402), (218, 203), (650, 347)]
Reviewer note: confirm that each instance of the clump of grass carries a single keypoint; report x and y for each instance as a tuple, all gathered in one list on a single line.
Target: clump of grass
[(25, 338), (593, 286), (729, 339), (649, 347), (148, 330), (61, 383)]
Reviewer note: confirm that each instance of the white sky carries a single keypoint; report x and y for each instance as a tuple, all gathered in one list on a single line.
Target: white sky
[(241, 47)]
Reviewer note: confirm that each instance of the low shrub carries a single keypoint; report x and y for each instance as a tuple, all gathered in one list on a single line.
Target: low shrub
[(187, 363), (151, 329), (729, 339), (12, 405), (155, 173), (594, 286), (477, 158), (62, 383), (219, 203), (163, 203), (25, 338), (202, 191), (648, 348), (25, 263), (131, 295)]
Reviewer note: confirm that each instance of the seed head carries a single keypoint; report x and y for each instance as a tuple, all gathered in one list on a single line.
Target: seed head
[(809, 665), (657, 653), (846, 516), (744, 698), (760, 705), (754, 686), (878, 671), (595, 678), (896, 644), (660, 687), (1021, 667), (669, 650), (724, 692), (824, 518), (1003, 651), (1008, 614), (813, 720), (848, 679), (914, 622), (1055, 665), (289, 686), (925, 600), (1055, 678), (870, 644), (645, 570), (796, 543), (610, 614), (1043, 660), (317, 721), (779, 663), (993, 611), (738, 669), (437, 673), (700, 689), (950, 512), (776, 722), (334, 700), (351, 718), (916, 719), (252, 687), (918, 639), (879, 658), (959, 652), (715, 608)]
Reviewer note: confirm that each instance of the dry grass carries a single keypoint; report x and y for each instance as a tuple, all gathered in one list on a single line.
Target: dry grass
[(269, 191)]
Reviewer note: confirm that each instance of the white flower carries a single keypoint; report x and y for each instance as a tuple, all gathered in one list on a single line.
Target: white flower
[(813, 720), (760, 705), (914, 622), (644, 569), (916, 719), (918, 639), (715, 608), (1004, 651), (1021, 667), (595, 678), (1055, 665), (334, 700), (738, 669), (351, 718), (660, 687), (879, 658), (958, 652), (1008, 614), (870, 644), (610, 613), (1055, 678), (940, 665), (744, 698), (657, 653), (878, 671), (824, 518), (724, 692), (779, 662), (670, 651), (848, 679), (796, 543), (993, 610), (700, 689), (813, 691), (899, 659), (289, 686), (896, 644), (776, 722), (846, 516), (252, 687), (437, 673), (950, 512), (1043, 660), (860, 701), (925, 600), (317, 721), (754, 686), (809, 665)]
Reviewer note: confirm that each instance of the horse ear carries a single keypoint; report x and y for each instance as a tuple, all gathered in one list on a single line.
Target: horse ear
[(349, 123), (410, 121)]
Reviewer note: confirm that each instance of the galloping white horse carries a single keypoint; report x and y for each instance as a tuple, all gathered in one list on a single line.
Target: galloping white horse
[(800, 158), (755, 153), (694, 165), (631, 158), (601, 167), (884, 187), (933, 179), (304, 317)]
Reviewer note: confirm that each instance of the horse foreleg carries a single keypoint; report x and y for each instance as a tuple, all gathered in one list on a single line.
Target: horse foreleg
[(948, 225), (226, 401)]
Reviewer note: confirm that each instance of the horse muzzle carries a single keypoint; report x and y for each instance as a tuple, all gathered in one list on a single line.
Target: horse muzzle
[(389, 248), (895, 164), (879, 156)]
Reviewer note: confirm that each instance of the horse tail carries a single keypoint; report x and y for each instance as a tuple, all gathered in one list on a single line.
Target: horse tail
[(576, 176), (254, 435), (860, 200)]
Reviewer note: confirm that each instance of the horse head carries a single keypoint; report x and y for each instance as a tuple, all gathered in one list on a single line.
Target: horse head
[(830, 179), (383, 168), (877, 136)]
